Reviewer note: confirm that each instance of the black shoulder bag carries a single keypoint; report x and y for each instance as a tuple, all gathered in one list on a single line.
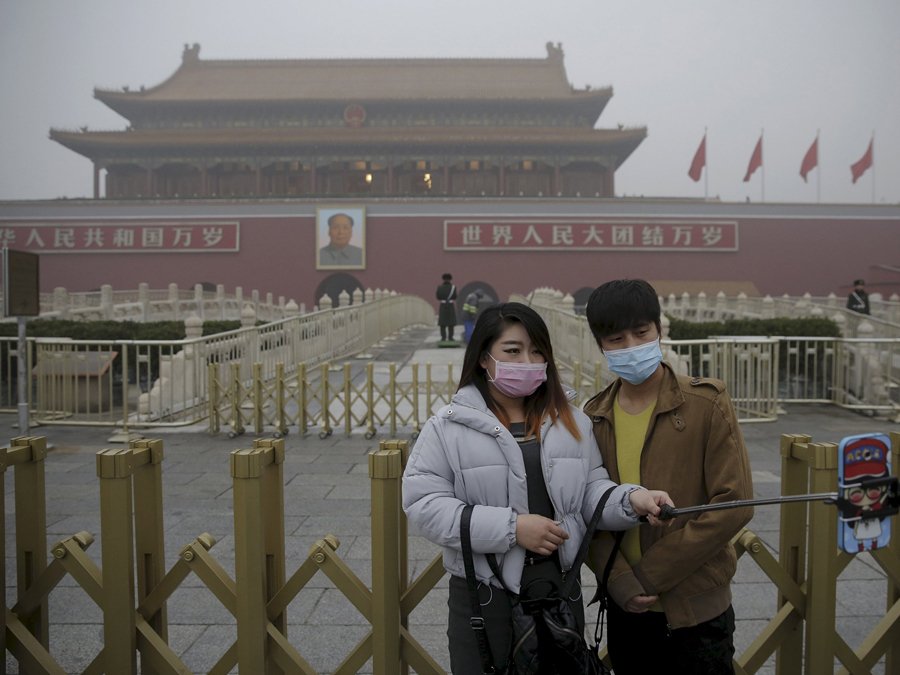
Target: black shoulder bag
[(535, 621)]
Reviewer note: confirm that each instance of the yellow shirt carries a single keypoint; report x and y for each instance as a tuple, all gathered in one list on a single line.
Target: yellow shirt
[(631, 430)]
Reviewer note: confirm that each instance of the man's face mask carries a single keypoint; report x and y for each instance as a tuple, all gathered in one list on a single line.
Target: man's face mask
[(635, 364)]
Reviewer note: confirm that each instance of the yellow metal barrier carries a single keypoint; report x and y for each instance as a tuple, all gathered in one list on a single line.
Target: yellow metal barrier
[(133, 586), (329, 397)]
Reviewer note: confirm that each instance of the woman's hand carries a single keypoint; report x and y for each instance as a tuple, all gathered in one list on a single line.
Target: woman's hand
[(539, 534), (648, 502)]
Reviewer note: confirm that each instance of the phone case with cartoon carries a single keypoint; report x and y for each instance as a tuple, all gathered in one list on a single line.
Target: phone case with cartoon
[(863, 520)]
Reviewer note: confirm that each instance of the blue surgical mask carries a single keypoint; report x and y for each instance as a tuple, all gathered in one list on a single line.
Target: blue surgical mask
[(635, 364)]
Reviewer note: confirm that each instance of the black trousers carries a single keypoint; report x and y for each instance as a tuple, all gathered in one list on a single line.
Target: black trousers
[(465, 659), (643, 643)]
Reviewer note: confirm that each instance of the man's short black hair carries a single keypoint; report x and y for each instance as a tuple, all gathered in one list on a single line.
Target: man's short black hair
[(859, 282), (446, 276), (620, 305)]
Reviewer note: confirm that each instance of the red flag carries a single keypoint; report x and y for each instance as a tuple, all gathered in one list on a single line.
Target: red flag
[(860, 167), (699, 161), (810, 159), (755, 160)]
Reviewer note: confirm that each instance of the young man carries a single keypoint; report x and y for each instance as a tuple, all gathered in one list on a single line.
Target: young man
[(670, 588)]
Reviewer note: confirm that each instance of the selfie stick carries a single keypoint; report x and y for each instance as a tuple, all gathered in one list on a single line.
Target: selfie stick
[(667, 512)]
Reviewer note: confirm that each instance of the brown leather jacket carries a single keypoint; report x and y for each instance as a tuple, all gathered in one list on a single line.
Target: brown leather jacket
[(694, 450)]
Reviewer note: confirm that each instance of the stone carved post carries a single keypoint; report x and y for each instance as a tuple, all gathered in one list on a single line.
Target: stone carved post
[(144, 300), (106, 302), (61, 301)]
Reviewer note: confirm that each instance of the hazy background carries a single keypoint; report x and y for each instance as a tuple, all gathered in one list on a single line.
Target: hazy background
[(791, 67)]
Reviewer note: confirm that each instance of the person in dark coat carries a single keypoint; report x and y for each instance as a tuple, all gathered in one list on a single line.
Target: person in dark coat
[(858, 300), (446, 295)]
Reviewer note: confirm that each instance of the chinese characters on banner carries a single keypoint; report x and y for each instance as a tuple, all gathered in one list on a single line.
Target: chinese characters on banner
[(121, 237), (590, 235)]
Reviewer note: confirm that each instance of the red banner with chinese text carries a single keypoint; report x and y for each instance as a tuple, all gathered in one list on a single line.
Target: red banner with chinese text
[(590, 235), (126, 236)]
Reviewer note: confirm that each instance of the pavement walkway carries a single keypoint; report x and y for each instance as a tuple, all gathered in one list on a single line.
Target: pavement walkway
[(327, 492)]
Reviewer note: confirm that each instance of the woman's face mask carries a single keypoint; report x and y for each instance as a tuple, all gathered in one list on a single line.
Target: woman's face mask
[(635, 364), (517, 380)]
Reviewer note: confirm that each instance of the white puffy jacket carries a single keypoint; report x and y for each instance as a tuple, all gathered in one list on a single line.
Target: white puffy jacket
[(465, 456)]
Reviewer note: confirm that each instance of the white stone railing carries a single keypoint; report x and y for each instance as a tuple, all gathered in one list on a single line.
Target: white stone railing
[(166, 382), (884, 319), (860, 370), (172, 304)]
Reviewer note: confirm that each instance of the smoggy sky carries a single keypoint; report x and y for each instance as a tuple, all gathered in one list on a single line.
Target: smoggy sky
[(791, 68)]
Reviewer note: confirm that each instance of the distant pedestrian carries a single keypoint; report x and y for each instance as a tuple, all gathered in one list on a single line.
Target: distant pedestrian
[(446, 295), (858, 300), (470, 311)]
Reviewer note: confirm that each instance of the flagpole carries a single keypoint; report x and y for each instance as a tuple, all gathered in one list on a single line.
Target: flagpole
[(873, 165), (706, 168), (818, 169), (762, 155)]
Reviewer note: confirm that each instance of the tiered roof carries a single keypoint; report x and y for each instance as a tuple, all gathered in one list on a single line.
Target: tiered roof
[(354, 80), (533, 93)]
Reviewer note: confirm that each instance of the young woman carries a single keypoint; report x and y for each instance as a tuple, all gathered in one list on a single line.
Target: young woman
[(511, 444)]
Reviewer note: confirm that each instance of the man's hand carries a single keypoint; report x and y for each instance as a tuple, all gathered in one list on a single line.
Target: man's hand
[(640, 603), (647, 503), (539, 534)]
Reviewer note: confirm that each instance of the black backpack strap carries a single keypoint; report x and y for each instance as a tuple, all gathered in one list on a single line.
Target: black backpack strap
[(573, 574), (477, 620), (601, 595)]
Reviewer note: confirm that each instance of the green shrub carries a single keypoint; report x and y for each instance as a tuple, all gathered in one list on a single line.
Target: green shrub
[(780, 327), (113, 330)]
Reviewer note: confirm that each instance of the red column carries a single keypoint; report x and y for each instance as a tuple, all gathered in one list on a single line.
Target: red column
[(557, 187), (502, 186), (312, 178), (96, 181), (447, 190), (149, 194), (390, 177)]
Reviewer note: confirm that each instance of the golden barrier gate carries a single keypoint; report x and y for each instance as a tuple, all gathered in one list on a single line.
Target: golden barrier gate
[(802, 635), (347, 397)]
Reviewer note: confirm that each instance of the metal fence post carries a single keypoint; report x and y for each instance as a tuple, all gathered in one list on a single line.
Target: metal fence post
[(417, 426), (403, 540), (213, 402), (257, 398), (114, 469), (249, 560), (3, 557), (822, 563), (28, 454), (348, 401), (370, 400), (385, 470), (302, 391), (892, 654), (393, 398), (792, 545), (148, 528), (273, 521)]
